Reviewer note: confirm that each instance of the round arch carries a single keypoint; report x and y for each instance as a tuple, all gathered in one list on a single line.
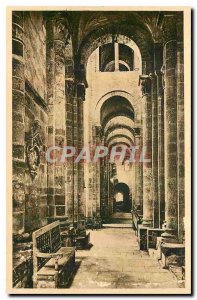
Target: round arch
[(106, 34), (115, 136), (131, 98), (120, 141), (111, 64), (120, 132), (110, 129)]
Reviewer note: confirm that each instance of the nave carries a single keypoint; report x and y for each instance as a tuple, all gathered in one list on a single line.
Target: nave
[(115, 261)]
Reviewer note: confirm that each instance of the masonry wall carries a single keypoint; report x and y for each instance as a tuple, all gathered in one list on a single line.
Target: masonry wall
[(36, 209), (35, 51)]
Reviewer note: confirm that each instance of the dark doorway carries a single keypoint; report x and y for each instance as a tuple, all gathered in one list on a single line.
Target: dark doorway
[(122, 201)]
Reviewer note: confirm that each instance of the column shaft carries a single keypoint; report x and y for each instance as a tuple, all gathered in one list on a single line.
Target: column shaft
[(161, 184), (180, 132), (138, 178), (18, 124), (170, 115), (116, 56), (56, 106), (155, 152), (81, 164), (75, 165), (147, 147)]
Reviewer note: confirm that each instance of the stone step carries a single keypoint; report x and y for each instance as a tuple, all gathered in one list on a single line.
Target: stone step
[(117, 225)]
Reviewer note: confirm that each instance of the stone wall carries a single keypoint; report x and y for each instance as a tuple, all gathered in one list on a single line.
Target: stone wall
[(36, 209), (35, 51), (29, 122)]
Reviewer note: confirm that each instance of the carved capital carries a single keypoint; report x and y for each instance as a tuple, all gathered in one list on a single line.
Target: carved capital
[(57, 27), (169, 27), (152, 76), (157, 34), (60, 31), (81, 90), (145, 82)]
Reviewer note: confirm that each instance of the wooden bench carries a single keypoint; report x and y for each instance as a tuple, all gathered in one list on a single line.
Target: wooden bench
[(93, 223), (82, 241), (53, 265), (82, 238)]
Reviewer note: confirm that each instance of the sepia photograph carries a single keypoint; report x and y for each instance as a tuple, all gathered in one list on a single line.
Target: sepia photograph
[(99, 156)]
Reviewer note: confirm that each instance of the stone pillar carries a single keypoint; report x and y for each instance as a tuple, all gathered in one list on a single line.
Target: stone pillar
[(18, 123), (81, 164), (155, 150), (147, 146), (69, 184), (158, 62), (180, 129), (75, 165), (78, 168), (108, 188), (96, 172), (170, 139), (56, 42), (138, 201), (116, 56), (104, 188)]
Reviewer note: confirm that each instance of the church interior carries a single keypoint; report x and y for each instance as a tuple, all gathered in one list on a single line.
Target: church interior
[(113, 79)]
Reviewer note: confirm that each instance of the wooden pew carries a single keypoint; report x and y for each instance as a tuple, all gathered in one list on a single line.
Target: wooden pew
[(53, 265), (82, 238)]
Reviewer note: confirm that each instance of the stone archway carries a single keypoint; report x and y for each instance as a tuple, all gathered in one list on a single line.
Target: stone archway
[(141, 38), (134, 101), (122, 201)]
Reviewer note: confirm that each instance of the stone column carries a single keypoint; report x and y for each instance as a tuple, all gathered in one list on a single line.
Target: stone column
[(147, 146), (180, 129), (78, 168), (116, 56), (104, 188), (170, 139), (138, 202), (81, 164), (158, 62), (69, 184), (18, 121), (75, 165), (155, 150), (56, 42)]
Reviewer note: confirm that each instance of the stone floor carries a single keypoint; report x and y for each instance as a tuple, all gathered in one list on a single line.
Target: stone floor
[(114, 261)]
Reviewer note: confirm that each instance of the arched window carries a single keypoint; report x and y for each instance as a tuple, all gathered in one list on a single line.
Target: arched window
[(115, 57)]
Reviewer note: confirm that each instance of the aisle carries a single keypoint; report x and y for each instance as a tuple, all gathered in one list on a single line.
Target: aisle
[(114, 261)]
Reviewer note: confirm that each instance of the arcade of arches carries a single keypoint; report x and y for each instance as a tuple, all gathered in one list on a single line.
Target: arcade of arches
[(100, 78)]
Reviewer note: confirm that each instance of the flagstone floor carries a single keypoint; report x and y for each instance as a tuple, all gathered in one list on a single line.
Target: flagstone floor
[(115, 261)]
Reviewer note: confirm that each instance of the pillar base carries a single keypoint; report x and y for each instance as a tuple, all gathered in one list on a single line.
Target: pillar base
[(169, 236), (142, 237), (147, 223), (172, 254)]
